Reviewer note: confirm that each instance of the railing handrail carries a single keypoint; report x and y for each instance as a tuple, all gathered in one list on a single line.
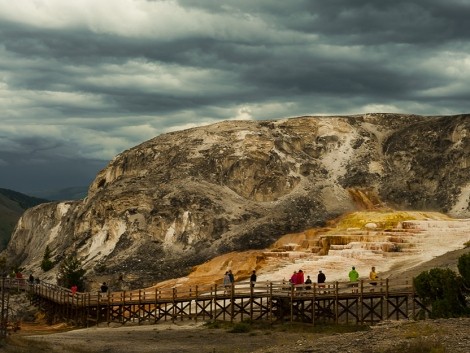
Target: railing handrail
[(242, 288)]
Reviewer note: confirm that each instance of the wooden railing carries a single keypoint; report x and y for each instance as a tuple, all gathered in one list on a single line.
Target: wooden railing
[(334, 301), (62, 295), (17, 284)]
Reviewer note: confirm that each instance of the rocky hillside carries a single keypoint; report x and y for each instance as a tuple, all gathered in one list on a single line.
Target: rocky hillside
[(184, 197)]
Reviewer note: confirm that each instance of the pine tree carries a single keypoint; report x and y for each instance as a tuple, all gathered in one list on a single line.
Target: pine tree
[(71, 273), (46, 263)]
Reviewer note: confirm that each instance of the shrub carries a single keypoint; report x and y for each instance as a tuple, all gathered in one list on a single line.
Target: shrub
[(241, 327), (464, 269), (442, 289)]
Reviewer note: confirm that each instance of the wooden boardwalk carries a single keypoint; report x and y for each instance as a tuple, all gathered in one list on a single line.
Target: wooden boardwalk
[(273, 301)]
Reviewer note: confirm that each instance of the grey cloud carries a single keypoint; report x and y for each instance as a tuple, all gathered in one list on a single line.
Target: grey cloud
[(425, 22), (46, 173), (103, 92)]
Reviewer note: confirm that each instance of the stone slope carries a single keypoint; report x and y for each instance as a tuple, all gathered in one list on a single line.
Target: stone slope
[(184, 197)]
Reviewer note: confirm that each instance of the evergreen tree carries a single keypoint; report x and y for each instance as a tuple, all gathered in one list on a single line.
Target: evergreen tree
[(71, 273), (46, 263)]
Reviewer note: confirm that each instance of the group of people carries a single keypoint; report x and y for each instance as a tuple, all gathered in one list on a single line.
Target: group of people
[(229, 279), (103, 288), (354, 278), (33, 280), (297, 279)]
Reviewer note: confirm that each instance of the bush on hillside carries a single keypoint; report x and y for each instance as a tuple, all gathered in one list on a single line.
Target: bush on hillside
[(442, 290), (464, 269)]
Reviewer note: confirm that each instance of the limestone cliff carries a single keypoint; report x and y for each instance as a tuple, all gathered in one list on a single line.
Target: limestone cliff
[(184, 197)]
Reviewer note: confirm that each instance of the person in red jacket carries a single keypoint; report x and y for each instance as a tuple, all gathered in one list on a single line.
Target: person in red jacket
[(300, 277), (293, 278)]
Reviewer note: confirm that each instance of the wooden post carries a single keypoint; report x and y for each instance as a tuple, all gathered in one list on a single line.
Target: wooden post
[(292, 303), (98, 308), (108, 307), (336, 302), (196, 302), (387, 308), (413, 297), (232, 306), (140, 307), (251, 299), (270, 301), (121, 306), (407, 300), (361, 298), (190, 302), (314, 303), (174, 303), (213, 301)]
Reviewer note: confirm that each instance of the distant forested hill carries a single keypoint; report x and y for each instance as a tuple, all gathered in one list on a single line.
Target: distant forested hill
[(71, 193), (12, 206)]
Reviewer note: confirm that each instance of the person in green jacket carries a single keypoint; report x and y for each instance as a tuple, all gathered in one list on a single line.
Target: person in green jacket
[(353, 278)]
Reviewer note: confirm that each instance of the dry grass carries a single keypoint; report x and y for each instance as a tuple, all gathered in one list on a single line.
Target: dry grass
[(419, 331), (419, 345)]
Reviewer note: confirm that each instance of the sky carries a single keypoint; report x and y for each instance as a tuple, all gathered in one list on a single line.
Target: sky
[(83, 80)]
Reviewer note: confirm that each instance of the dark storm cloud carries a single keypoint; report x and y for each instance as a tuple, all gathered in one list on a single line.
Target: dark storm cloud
[(84, 81), (363, 22)]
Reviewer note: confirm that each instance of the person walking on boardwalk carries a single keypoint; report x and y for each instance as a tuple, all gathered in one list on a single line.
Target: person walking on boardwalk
[(253, 278), (230, 275), (227, 282), (353, 278), (321, 278), (373, 277), (308, 281), (293, 278), (74, 289), (104, 287), (300, 279)]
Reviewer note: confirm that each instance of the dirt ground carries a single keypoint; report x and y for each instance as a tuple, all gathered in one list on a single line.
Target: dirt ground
[(163, 337), (445, 335)]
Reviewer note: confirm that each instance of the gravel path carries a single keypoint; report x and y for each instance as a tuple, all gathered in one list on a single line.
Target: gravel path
[(394, 336)]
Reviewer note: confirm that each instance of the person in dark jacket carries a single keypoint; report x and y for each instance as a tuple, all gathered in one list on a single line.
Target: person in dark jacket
[(308, 281), (104, 287), (230, 275), (321, 278), (253, 278)]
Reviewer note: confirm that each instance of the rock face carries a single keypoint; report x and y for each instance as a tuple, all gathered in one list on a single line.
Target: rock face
[(184, 197)]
